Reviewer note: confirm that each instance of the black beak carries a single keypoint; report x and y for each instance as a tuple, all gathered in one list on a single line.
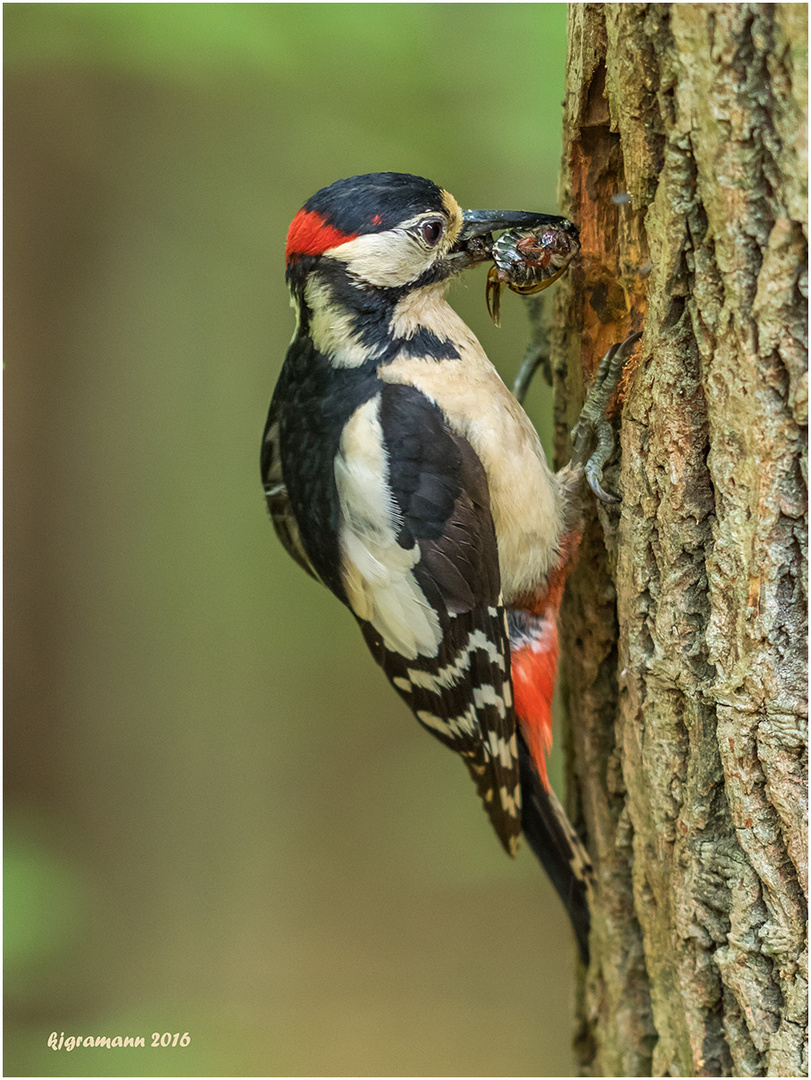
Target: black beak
[(481, 222)]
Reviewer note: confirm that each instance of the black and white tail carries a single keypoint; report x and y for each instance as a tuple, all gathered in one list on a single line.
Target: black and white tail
[(552, 837)]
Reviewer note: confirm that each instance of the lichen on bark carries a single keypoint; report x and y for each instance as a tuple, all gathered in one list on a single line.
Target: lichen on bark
[(684, 627)]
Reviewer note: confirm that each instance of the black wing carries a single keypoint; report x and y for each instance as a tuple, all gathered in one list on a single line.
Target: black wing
[(276, 493), (461, 689)]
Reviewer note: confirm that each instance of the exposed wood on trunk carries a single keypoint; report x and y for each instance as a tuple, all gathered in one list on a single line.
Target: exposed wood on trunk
[(684, 633)]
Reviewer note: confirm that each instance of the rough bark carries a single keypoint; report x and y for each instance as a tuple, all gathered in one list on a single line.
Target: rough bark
[(683, 630)]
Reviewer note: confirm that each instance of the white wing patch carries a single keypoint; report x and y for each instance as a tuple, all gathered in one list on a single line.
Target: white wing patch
[(376, 570)]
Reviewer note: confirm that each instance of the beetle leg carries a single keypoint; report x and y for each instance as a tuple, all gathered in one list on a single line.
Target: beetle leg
[(493, 295)]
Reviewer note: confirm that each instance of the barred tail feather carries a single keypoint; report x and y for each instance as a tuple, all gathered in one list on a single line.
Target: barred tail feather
[(552, 837)]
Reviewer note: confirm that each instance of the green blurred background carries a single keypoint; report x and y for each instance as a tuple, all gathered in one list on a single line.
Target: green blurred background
[(219, 818)]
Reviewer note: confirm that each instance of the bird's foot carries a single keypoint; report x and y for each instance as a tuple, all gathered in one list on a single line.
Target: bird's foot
[(592, 428)]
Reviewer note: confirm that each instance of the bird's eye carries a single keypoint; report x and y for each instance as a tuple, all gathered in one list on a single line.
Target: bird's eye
[(431, 232)]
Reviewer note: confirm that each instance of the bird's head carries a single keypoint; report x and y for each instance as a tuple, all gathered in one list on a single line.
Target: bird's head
[(393, 231), (362, 245)]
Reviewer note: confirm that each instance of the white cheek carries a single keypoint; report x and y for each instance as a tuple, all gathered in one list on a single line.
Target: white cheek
[(384, 259)]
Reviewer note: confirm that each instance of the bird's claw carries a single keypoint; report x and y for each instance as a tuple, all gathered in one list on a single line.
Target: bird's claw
[(593, 468), (592, 428)]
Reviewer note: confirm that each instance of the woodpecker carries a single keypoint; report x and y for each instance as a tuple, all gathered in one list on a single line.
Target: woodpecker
[(401, 473)]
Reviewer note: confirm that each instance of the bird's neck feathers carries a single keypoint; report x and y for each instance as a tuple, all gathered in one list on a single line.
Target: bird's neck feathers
[(354, 324)]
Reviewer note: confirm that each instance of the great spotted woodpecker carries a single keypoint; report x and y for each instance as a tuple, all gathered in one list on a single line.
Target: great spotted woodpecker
[(401, 473)]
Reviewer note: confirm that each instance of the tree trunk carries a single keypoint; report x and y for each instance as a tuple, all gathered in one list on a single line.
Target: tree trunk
[(683, 629)]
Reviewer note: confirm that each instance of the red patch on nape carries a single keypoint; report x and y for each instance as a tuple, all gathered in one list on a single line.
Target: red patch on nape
[(377, 220), (309, 234)]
